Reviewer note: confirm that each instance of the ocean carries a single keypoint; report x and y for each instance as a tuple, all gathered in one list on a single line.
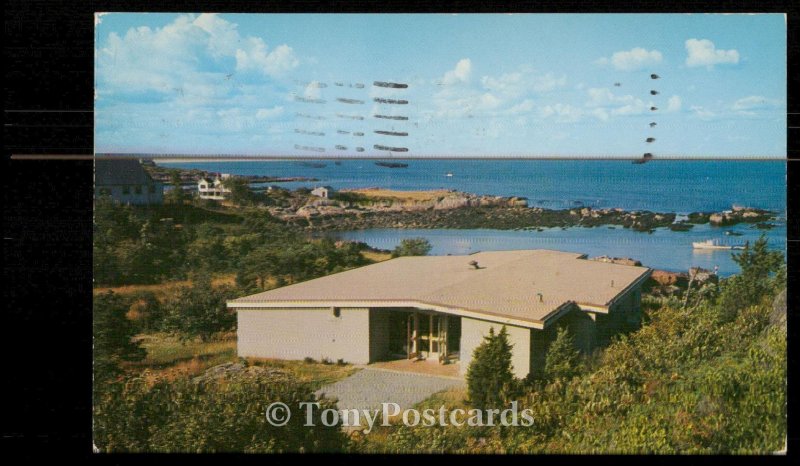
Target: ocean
[(678, 186)]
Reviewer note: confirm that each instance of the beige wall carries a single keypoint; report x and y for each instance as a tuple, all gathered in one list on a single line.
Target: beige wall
[(473, 331), (300, 333)]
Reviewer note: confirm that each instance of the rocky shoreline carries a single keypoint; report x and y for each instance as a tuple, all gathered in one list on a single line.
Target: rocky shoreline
[(499, 214), (500, 218)]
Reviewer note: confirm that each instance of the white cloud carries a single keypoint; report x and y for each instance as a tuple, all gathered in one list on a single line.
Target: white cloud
[(600, 113), (755, 102), (702, 112), (507, 94), (255, 56), (617, 105), (460, 74), (522, 82), (563, 113), (312, 90), (603, 104), (703, 52), (633, 59), (523, 107), (190, 52), (674, 104), (267, 113)]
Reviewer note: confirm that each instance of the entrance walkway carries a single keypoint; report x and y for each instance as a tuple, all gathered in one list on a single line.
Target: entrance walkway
[(370, 387)]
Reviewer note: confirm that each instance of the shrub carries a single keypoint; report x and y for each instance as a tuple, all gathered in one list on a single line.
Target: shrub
[(112, 336), (490, 380), (412, 247), (198, 311), (563, 358), (209, 417)]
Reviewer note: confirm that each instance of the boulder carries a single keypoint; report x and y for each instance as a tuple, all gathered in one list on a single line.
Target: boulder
[(778, 315)]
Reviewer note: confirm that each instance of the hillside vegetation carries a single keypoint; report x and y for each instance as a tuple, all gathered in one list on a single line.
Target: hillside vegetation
[(705, 378)]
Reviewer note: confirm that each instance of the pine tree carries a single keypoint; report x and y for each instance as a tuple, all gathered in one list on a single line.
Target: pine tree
[(490, 380), (763, 274), (563, 359)]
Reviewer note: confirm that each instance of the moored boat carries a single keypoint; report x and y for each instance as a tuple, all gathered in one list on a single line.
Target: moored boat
[(713, 244)]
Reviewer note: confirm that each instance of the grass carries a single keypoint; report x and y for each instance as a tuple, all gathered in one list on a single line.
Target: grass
[(403, 195), (451, 398), (376, 256), (164, 350), (164, 289), (169, 358), (316, 374)]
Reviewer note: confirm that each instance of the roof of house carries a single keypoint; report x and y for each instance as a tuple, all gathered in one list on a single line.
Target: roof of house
[(122, 171), (506, 285)]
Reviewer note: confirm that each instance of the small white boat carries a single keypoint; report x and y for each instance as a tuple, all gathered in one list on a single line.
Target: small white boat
[(713, 244), (449, 174)]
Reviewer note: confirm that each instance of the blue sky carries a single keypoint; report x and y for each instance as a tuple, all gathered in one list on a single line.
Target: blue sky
[(508, 85)]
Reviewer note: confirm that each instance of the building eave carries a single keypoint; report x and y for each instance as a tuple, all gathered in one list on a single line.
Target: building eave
[(638, 282), (390, 303)]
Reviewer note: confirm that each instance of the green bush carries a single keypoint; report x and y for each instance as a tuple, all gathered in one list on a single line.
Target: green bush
[(112, 334), (210, 417), (490, 380), (199, 310), (563, 358), (412, 247)]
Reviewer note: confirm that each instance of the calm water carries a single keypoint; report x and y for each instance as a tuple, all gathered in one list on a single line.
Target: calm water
[(662, 186), (664, 249)]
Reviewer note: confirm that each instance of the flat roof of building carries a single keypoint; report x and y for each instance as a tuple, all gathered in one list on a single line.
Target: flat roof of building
[(526, 286)]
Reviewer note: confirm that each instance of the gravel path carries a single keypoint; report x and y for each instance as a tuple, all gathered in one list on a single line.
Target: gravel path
[(368, 388)]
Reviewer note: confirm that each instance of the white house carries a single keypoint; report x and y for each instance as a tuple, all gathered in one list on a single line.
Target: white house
[(439, 308), (213, 189), (322, 191)]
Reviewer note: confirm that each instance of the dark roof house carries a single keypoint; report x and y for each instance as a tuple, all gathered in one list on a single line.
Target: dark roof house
[(126, 181)]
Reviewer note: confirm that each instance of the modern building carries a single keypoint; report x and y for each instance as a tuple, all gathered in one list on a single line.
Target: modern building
[(439, 308), (126, 181), (322, 191), (213, 189)]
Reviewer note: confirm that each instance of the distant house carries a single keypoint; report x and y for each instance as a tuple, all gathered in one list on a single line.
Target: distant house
[(322, 191), (213, 189), (126, 181), (439, 308)]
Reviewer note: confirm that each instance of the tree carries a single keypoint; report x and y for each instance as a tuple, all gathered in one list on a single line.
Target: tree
[(198, 311), (762, 274), (145, 311), (176, 194), (412, 247), (240, 190), (563, 359), (490, 380), (112, 334)]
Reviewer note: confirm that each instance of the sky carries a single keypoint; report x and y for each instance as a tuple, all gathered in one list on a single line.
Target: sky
[(537, 85)]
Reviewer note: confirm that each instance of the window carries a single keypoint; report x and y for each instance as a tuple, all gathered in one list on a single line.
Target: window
[(337, 312), (151, 189), (105, 192), (126, 190), (138, 189)]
